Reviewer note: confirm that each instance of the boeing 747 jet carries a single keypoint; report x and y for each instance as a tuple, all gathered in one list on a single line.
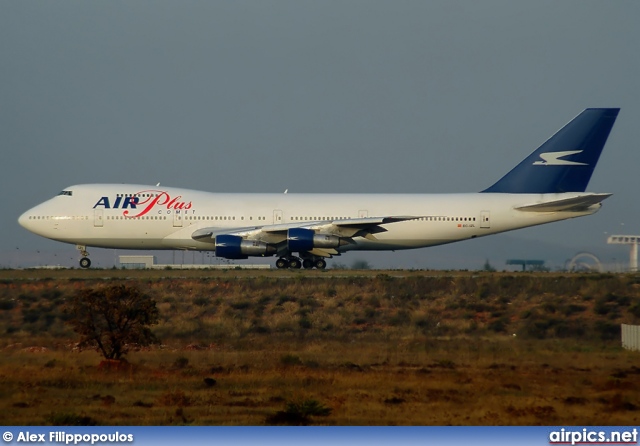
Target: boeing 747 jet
[(303, 230)]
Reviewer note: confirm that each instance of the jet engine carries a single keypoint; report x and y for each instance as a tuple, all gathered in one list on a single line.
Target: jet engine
[(235, 247), (301, 240)]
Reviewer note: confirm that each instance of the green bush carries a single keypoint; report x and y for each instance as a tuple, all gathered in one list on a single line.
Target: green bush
[(201, 301), (112, 319), (607, 331), (305, 323), (573, 309), (402, 317), (537, 327), (6, 304), (499, 325), (299, 413), (569, 329), (602, 306), (181, 362), (290, 359), (243, 305), (622, 301), (635, 309), (70, 419)]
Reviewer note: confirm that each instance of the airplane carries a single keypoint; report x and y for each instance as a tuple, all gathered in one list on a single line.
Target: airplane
[(303, 230)]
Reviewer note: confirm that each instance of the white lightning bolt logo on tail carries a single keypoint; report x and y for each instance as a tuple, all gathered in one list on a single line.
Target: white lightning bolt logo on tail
[(553, 159)]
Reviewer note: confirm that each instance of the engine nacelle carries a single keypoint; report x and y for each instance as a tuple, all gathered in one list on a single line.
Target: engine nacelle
[(235, 247), (301, 239)]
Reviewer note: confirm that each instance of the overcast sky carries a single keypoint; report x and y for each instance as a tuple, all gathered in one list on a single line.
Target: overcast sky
[(311, 96)]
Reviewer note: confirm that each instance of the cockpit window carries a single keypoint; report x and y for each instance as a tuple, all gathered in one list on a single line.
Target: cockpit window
[(66, 192)]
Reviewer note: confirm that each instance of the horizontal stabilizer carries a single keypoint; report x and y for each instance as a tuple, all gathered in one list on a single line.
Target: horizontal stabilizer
[(574, 204)]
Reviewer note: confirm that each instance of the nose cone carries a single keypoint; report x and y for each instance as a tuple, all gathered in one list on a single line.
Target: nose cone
[(38, 220), (35, 221), (29, 221), (24, 220)]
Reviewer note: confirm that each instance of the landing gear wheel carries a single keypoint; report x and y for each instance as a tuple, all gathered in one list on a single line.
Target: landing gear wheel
[(85, 262), (320, 264), (282, 263), (295, 263), (307, 264)]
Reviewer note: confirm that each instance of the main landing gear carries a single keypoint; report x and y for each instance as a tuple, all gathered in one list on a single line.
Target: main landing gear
[(84, 261), (297, 263)]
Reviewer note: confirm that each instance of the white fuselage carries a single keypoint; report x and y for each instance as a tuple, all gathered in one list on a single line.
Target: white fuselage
[(106, 215)]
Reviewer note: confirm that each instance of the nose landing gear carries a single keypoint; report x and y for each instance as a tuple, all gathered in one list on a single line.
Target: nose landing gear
[(84, 261)]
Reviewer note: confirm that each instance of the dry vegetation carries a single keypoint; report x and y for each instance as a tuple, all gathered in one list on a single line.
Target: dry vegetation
[(425, 348)]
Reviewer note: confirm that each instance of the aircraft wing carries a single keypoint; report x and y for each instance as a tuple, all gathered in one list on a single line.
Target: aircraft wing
[(277, 234), (575, 204)]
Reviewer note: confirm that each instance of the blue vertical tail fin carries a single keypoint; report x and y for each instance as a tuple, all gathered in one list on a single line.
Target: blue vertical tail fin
[(565, 162)]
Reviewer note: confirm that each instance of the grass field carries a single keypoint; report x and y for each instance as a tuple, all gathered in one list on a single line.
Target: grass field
[(363, 348)]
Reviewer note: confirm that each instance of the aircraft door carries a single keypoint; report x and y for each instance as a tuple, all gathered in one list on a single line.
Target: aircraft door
[(485, 219), (177, 219), (98, 218), (277, 217)]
